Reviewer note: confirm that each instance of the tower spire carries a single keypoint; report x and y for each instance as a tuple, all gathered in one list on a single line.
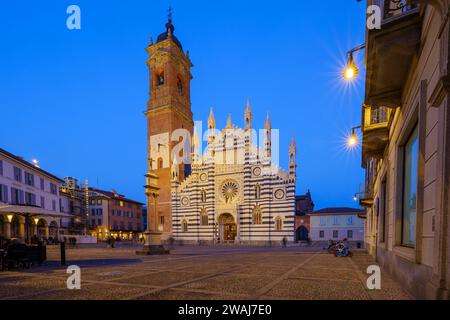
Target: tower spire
[(229, 123), (293, 157), (268, 124), (211, 120), (248, 115)]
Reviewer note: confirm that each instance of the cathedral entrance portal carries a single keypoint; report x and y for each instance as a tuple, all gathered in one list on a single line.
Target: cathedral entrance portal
[(227, 228)]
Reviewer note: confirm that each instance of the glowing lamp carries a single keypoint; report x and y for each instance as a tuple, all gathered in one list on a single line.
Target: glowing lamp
[(10, 217), (351, 70), (353, 139)]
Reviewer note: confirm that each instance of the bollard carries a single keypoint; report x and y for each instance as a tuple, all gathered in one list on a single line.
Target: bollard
[(63, 253)]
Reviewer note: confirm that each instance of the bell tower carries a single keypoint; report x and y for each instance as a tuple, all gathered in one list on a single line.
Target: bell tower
[(168, 109)]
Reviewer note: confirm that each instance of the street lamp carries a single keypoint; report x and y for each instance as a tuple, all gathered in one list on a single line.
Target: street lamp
[(353, 140), (351, 71)]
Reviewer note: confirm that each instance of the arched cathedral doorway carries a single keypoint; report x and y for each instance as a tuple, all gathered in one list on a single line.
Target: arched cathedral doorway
[(227, 228)]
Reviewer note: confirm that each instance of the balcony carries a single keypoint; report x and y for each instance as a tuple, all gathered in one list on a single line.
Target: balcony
[(366, 198), (375, 129), (391, 51)]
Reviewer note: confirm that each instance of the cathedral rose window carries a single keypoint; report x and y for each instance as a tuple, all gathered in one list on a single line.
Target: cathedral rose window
[(229, 190)]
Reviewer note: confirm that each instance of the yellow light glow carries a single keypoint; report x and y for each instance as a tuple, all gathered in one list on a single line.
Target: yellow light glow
[(355, 198), (352, 141), (351, 70), (10, 217), (350, 73), (36, 221)]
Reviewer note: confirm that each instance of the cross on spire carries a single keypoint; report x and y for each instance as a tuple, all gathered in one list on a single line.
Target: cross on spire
[(169, 13)]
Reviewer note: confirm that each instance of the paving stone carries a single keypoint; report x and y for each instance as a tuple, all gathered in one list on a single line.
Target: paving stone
[(293, 289)]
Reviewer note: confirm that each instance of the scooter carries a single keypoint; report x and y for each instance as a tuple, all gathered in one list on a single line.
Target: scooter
[(343, 250)]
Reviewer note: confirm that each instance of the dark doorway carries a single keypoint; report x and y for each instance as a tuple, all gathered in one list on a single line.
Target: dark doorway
[(302, 233)]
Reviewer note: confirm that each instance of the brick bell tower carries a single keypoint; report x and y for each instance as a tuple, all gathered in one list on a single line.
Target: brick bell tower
[(168, 109)]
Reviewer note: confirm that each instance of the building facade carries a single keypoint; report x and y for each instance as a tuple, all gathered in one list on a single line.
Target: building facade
[(29, 200), (113, 215), (406, 145), (235, 193), (304, 205), (337, 224), (74, 202), (168, 109)]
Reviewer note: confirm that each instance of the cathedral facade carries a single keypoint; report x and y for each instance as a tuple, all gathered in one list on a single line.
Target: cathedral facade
[(235, 193)]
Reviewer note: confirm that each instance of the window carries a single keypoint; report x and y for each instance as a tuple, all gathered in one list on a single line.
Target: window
[(382, 208), (53, 188), (100, 212), (336, 221), (99, 221), (257, 192), (335, 234), (321, 234), (350, 234), (184, 226), (29, 179), (53, 205), (278, 224), (42, 202), (42, 184), (3, 193), (180, 87), (99, 201), (30, 199), (257, 215), (17, 196), (160, 77), (92, 212), (121, 203), (203, 195), (350, 221), (323, 221), (113, 212), (160, 163), (138, 227), (204, 217), (161, 220), (122, 225), (1, 167), (17, 174), (130, 226), (93, 222), (410, 170), (116, 226)]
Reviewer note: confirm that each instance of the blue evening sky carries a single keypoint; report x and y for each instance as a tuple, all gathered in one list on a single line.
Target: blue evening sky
[(75, 99)]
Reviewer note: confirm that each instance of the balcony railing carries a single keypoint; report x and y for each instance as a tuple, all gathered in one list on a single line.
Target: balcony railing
[(375, 130), (376, 117)]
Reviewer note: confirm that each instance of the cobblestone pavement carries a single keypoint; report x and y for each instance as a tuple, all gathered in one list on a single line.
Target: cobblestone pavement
[(201, 273)]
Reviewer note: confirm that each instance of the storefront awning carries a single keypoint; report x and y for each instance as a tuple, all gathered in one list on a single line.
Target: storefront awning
[(32, 211)]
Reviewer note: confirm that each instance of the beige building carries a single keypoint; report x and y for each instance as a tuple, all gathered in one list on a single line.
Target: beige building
[(406, 145)]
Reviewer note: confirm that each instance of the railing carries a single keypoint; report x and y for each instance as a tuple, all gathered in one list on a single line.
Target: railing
[(394, 8), (376, 117)]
